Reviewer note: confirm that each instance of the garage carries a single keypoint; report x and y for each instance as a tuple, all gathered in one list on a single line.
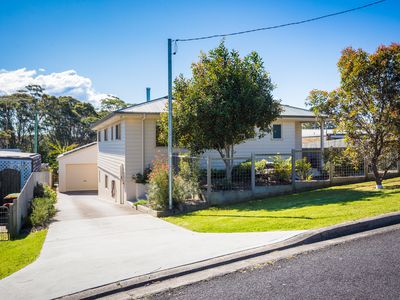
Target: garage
[(77, 169)]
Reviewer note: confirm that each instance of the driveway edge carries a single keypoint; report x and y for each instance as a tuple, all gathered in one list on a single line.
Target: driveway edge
[(310, 237)]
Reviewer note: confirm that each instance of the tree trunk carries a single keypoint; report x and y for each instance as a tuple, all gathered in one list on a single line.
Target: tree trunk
[(227, 155), (378, 178)]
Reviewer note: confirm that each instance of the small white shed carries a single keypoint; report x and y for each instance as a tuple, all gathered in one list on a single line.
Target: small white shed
[(77, 169)]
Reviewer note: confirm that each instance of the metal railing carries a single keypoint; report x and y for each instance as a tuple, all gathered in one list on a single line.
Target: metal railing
[(263, 170), (4, 223)]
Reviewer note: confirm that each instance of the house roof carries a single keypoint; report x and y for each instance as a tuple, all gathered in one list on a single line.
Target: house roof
[(158, 105), (17, 155), (76, 149)]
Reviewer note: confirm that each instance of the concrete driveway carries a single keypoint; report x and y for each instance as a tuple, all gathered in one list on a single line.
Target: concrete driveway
[(94, 242)]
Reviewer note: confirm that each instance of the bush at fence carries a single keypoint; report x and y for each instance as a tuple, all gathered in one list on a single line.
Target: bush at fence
[(186, 184), (243, 170), (282, 170), (303, 169), (158, 189), (343, 165), (43, 205), (43, 210)]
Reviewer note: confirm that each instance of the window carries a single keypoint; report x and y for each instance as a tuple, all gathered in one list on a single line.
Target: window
[(118, 131), (105, 135), (112, 132), (113, 190), (99, 136), (159, 141), (277, 131), (106, 181)]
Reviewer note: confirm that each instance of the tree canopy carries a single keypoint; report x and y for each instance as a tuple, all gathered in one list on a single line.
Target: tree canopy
[(63, 121), (227, 101), (367, 105)]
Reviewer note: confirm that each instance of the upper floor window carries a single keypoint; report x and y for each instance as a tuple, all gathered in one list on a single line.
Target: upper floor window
[(112, 132), (159, 142), (277, 131), (118, 131), (106, 181), (106, 134), (99, 136)]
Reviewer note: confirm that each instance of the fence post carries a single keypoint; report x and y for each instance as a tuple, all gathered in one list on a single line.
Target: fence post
[(253, 173), (208, 176), (294, 169), (366, 168), (331, 169)]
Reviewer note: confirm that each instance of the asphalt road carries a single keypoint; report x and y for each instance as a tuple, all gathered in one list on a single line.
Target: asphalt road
[(367, 268)]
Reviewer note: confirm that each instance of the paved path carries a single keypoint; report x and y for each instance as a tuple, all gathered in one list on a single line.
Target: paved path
[(93, 242), (366, 268)]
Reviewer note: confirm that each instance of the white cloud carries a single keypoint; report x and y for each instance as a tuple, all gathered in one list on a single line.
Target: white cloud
[(67, 83)]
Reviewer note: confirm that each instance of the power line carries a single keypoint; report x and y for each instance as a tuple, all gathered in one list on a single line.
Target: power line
[(281, 25)]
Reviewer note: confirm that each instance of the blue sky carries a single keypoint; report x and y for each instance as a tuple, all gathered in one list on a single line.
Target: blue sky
[(119, 47)]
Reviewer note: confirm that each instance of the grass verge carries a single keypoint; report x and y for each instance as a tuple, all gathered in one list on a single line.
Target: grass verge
[(18, 253), (308, 210)]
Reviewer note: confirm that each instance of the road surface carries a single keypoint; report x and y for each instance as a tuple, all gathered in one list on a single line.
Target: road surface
[(367, 268)]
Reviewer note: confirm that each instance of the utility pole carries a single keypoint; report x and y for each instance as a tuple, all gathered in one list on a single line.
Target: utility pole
[(170, 169), (35, 145)]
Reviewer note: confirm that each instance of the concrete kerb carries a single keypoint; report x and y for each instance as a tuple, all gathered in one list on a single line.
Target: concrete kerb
[(310, 237)]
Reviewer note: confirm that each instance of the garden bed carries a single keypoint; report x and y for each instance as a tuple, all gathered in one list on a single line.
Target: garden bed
[(189, 206)]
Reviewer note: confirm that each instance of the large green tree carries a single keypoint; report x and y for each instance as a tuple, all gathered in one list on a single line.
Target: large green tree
[(62, 121), (227, 101), (110, 104), (366, 105)]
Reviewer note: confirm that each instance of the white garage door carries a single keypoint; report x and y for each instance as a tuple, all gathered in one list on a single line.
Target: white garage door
[(81, 177)]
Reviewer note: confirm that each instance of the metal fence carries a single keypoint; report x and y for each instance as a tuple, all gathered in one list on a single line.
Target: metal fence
[(4, 224), (263, 170), (17, 212)]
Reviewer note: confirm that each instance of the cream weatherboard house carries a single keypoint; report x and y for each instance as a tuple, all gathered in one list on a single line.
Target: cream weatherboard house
[(126, 144)]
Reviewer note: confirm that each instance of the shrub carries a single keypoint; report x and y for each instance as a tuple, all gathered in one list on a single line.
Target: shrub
[(303, 169), (190, 175), (43, 210), (38, 191), (186, 184), (158, 181), (50, 193), (282, 169), (243, 170), (142, 178), (182, 190), (261, 166), (141, 202)]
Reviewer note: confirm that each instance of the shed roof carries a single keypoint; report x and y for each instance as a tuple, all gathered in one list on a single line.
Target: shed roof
[(17, 155), (77, 149)]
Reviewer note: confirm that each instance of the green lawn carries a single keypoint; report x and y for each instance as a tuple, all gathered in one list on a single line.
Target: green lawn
[(306, 210), (20, 252)]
